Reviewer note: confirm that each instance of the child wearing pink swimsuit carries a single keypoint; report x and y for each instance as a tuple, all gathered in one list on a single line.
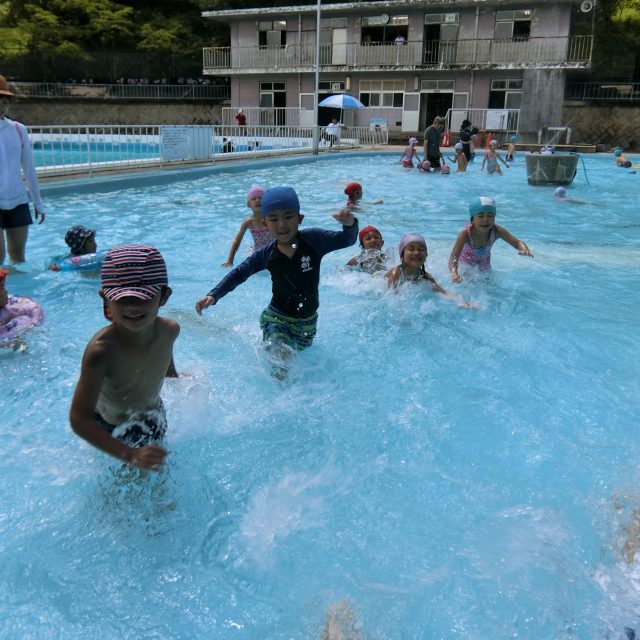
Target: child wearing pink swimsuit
[(474, 242), (17, 314), (409, 153), (259, 233)]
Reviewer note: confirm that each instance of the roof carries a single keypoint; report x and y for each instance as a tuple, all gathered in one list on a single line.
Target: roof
[(361, 7)]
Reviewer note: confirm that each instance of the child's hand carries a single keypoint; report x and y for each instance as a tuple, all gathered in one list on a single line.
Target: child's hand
[(54, 267), (228, 263), (344, 217), (150, 457), (204, 303), (379, 202), (523, 250), (455, 278)]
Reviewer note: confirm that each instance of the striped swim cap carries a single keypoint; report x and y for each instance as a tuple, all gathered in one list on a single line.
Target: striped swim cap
[(135, 270), (481, 204)]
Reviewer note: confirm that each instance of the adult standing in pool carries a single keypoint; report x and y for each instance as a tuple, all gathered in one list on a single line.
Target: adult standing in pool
[(16, 157), (432, 139), (466, 131)]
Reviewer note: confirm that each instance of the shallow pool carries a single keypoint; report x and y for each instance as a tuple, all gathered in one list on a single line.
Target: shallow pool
[(425, 471)]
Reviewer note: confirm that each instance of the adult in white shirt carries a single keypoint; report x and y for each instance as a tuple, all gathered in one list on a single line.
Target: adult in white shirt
[(16, 157), (399, 40), (332, 130)]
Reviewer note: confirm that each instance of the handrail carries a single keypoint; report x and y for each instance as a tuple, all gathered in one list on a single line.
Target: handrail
[(418, 53), (61, 150), (627, 91), (495, 120)]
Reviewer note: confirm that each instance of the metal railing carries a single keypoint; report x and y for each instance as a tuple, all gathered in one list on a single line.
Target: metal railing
[(121, 91), (602, 91), (88, 149), (481, 52), (269, 116), (505, 120)]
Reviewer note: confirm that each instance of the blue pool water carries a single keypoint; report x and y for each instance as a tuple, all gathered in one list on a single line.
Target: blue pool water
[(426, 471)]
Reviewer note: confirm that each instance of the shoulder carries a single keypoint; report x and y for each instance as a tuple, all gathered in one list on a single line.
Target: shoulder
[(100, 346), (169, 327), (392, 275)]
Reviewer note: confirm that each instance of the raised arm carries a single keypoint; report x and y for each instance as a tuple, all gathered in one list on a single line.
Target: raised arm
[(235, 245), (455, 254), (522, 248), (92, 375)]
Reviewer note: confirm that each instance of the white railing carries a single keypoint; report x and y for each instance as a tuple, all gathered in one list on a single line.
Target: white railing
[(504, 120), (88, 149), (121, 91), (266, 116), (567, 50)]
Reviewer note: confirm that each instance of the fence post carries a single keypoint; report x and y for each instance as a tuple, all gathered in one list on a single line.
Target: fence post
[(89, 151)]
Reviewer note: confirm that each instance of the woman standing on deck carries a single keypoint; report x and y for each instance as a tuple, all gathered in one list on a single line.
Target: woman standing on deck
[(16, 157)]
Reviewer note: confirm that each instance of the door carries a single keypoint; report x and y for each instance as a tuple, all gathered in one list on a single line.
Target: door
[(280, 102), (448, 37), (512, 100), (431, 44), (339, 46)]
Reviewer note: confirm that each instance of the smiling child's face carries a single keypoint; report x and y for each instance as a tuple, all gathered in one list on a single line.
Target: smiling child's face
[(283, 224), (414, 254), (136, 314), (484, 221), (372, 240), (255, 204)]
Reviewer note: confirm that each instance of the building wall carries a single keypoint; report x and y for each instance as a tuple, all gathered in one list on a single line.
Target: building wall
[(34, 112), (543, 94), (551, 20)]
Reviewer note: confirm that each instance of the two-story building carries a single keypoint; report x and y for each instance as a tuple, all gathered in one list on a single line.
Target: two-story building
[(408, 60)]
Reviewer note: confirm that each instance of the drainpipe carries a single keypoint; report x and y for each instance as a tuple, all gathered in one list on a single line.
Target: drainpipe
[(475, 44), (299, 39), (316, 128)]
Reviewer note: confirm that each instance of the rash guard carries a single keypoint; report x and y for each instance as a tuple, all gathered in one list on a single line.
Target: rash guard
[(294, 280)]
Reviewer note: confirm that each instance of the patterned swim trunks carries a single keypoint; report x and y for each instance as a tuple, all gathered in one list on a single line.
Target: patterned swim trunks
[(298, 333)]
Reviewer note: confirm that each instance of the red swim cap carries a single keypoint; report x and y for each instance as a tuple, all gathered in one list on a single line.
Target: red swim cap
[(366, 230), (352, 188), (3, 275)]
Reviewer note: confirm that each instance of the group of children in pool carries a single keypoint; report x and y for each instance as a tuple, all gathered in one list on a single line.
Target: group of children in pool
[(491, 158), (116, 406)]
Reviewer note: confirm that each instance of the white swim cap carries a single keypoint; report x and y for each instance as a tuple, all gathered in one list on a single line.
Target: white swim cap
[(561, 192), (459, 145)]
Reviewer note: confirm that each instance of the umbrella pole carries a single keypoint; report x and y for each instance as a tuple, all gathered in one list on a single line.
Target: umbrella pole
[(316, 127)]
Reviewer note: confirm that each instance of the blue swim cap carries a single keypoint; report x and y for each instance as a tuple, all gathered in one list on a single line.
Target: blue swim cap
[(280, 198), (514, 138), (482, 204), (617, 153)]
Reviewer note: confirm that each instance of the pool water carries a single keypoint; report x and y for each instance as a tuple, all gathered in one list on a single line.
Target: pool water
[(432, 471)]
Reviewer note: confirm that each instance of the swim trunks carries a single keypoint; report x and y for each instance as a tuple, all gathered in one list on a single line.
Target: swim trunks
[(19, 216), (626, 164), (140, 430), (435, 161), (298, 333)]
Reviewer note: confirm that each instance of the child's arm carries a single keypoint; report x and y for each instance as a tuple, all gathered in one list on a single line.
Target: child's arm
[(402, 156), (501, 160), (326, 241), (353, 262), (453, 296), (415, 153), (486, 153), (461, 240), (92, 374), (452, 160), (171, 370), (522, 248), (376, 202), (257, 261), (235, 245)]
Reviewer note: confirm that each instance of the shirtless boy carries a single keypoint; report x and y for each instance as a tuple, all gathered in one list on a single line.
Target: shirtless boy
[(116, 406)]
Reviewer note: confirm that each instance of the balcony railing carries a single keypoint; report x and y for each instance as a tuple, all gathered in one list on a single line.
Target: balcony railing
[(121, 91), (268, 116), (495, 120), (564, 51), (602, 91)]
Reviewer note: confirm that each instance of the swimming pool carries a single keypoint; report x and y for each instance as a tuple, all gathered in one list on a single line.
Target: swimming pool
[(448, 473)]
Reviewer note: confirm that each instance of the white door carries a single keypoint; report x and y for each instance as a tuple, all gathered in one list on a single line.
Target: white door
[(339, 48)]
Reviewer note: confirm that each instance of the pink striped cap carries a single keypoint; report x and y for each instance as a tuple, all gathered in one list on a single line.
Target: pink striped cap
[(135, 270)]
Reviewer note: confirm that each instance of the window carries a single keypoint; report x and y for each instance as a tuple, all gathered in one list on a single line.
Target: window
[(382, 93), (384, 29), (514, 25), (272, 33), (505, 94), (333, 23), (328, 87), (437, 86)]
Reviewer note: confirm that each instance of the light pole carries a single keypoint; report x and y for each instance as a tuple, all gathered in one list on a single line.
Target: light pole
[(316, 127)]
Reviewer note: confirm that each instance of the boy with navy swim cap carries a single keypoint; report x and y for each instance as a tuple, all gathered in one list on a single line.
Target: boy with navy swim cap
[(293, 259), (116, 406)]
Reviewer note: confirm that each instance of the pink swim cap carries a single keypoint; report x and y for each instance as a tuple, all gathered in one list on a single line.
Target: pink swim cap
[(413, 141), (409, 238), (445, 169), (255, 192)]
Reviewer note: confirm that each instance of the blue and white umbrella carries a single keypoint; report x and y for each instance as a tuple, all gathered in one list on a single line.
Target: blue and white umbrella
[(342, 101)]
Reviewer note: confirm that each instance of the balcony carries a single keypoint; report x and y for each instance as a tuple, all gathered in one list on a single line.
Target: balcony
[(489, 53)]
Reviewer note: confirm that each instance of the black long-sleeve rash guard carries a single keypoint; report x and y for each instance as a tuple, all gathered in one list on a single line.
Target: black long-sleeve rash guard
[(294, 280)]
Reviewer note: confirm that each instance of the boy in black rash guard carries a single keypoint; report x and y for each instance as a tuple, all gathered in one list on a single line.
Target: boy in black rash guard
[(293, 260)]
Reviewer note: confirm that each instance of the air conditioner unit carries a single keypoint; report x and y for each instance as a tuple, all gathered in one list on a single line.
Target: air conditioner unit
[(451, 17)]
